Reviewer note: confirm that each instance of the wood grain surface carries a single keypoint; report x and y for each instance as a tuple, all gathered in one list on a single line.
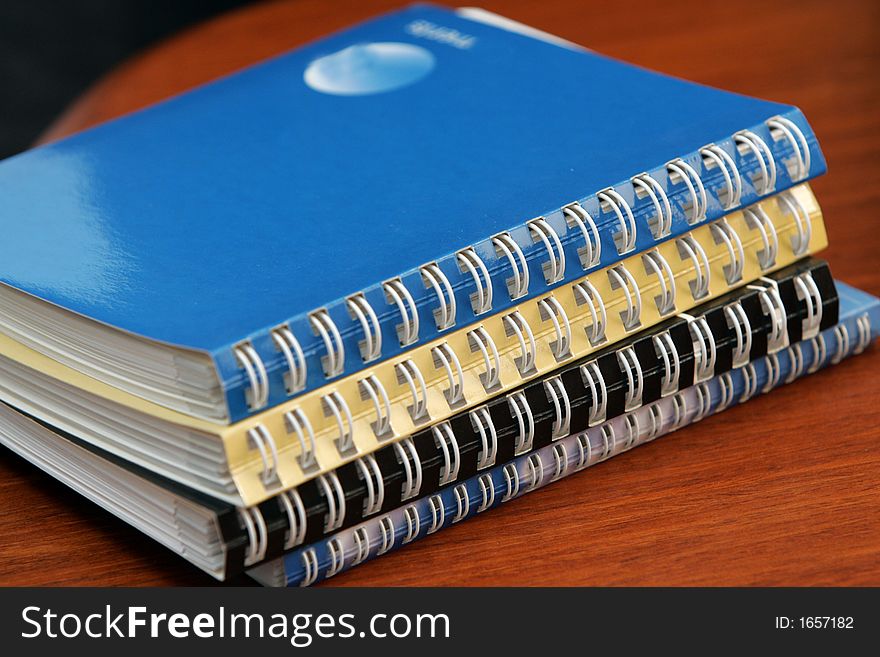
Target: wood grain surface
[(782, 491)]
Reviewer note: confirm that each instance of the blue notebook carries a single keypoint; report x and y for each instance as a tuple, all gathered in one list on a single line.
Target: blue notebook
[(265, 234)]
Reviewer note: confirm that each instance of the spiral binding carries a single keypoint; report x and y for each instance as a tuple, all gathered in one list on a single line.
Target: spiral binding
[(438, 513), (258, 390), (808, 292), (590, 254), (723, 233), (705, 348), (433, 277), (408, 457), (412, 524), (515, 324), (625, 238), (463, 503), (287, 344), (511, 479), (387, 527), (782, 128), (585, 293), (688, 247), (679, 170), (629, 362), (408, 371), (257, 533), (331, 487), (748, 141), (796, 356), (445, 357), (296, 422), (773, 373), (656, 264), (771, 302), (469, 261), (371, 475), (362, 544), (445, 440), (800, 243), (739, 322), (525, 421), (621, 279), (334, 362), (482, 422), (660, 223), (408, 329), (759, 221), (819, 353), (562, 406), (554, 268), (371, 388), (310, 565), (560, 461), (480, 339), (518, 284), (260, 438), (371, 345), (863, 324), (715, 156), (296, 518), (487, 490), (337, 557), (665, 348), (551, 310), (594, 380)]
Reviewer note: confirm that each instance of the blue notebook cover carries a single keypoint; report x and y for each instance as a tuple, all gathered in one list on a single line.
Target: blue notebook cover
[(311, 563), (257, 200)]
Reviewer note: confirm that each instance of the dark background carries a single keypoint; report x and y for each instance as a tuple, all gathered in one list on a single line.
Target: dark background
[(50, 51)]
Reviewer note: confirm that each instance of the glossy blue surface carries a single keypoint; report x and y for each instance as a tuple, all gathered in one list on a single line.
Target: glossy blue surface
[(254, 200)]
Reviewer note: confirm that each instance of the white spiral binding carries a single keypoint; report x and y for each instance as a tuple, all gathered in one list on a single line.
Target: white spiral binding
[(633, 430), (750, 380), (790, 131), (516, 324), (438, 513), (260, 437), (445, 357), (482, 422), (536, 471), (796, 354), (661, 223), (656, 412), (705, 353), (257, 532), (560, 458), (704, 398), (371, 387), (758, 219), (771, 303), (774, 371), (717, 156), (658, 265), (362, 543), (863, 324), (432, 276), (386, 526), (622, 279), (820, 353), (554, 268), (594, 380), (679, 411), (257, 394), (413, 524), (518, 284), (296, 518), (481, 300), (808, 292), (585, 451), (295, 421), (635, 379), (334, 362), (335, 496), (525, 422), (688, 247), (586, 294), (408, 329), (739, 322), (842, 335), (335, 405), (372, 478), (444, 438), (609, 441), (480, 339), (725, 382), (665, 348), (511, 482), (558, 395), (790, 203), (407, 371), (337, 557), (722, 232), (748, 141), (550, 309), (287, 344), (590, 254), (361, 310), (408, 457), (625, 239), (487, 492), (699, 201), (462, 503), (310, 566)]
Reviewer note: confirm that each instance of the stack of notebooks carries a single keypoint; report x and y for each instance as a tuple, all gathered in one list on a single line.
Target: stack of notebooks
[(315, 311)]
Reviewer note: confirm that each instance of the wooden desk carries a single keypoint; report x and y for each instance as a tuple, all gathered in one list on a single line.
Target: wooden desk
[(782, 491)]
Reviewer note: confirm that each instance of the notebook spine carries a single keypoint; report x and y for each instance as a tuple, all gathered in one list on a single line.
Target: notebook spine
[(395, 398), (721, 335), (379, 535), (490, 276)]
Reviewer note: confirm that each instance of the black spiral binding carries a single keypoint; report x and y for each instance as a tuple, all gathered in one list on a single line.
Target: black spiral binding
[(715, 338)]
